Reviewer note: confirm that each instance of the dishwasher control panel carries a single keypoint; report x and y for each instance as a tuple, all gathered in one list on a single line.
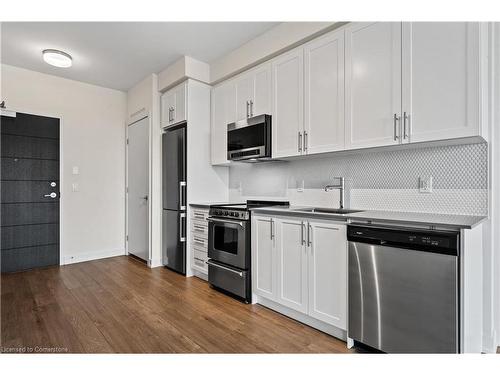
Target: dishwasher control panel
[(434, 241)]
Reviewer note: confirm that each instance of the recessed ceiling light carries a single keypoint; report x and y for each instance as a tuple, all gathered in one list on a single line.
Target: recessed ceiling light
[(57, 58)]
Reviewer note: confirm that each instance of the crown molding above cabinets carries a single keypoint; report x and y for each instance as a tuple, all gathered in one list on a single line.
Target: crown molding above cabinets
[(185, 67)]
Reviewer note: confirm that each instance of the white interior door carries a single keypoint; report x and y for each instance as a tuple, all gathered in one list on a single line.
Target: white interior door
[(138, 189)]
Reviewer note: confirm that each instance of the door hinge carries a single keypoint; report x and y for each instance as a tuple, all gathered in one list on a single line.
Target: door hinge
[(126, 237)]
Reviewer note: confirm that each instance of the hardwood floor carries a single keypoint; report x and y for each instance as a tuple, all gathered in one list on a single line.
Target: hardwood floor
[(118, 305)]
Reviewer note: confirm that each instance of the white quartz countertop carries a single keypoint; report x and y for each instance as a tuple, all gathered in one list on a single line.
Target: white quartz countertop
[(395, 217)]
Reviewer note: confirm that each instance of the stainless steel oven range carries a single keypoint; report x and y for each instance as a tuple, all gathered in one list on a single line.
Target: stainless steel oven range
[(229, 247)]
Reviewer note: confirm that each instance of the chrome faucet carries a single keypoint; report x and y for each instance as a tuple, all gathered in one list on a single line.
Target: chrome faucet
[(341, 187)]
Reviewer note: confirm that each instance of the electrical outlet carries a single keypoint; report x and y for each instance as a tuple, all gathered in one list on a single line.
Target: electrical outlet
[(75, 187), (425, 184)]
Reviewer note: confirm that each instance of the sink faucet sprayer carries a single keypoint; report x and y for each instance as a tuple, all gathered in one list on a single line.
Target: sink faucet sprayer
[(341, 187)]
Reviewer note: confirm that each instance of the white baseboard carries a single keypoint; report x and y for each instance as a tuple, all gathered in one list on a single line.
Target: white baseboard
[(85, 257), (200, 275), (156, 263), (303, 318)]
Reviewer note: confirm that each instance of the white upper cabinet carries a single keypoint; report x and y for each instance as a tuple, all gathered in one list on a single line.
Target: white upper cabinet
[(441, 80), (263, 257), (373, 84), (324, 94), (288, 104), (173, 105), (253, 92), (328, 272), (291, 263), (244, 94), (223, 113)]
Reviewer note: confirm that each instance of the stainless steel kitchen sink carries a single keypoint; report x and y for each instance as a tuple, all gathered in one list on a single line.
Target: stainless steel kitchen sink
[(338, 211)]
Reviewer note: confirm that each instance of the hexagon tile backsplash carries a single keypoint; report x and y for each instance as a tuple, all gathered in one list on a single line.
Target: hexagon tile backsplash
[(382, 179)]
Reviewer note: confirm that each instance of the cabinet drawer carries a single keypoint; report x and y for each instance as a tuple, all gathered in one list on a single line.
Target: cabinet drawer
[(199, 214), (200, 242), (199, 229), (200, 255), (200, 265)]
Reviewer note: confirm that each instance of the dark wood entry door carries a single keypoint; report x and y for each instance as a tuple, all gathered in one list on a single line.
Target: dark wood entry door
[(29, 192)]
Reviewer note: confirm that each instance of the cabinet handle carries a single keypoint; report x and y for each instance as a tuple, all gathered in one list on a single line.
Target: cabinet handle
[(305, 141), (300, 142), (405, 118), (309, 241), (173, 113), (302, 236), (272, 229), (396, 119), (248, 109), (251, 108)]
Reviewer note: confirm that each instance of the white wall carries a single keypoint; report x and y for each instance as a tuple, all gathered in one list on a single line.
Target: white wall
[(93, 138)]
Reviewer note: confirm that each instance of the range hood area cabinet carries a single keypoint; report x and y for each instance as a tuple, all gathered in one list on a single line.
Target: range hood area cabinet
[(174, 105), (366, 85), (247, 95)]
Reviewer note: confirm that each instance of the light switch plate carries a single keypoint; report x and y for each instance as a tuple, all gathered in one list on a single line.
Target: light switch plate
[(74, 187), (425, 184), (76, 170)]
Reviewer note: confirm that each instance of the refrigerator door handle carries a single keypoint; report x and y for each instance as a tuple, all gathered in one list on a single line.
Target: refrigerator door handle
[(182, 195), (182, 235)]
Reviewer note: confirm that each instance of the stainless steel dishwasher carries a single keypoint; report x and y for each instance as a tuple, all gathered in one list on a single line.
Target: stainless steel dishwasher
[(404, 289)]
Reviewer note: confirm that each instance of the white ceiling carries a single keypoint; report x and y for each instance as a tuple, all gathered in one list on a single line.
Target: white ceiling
[(119, 54)]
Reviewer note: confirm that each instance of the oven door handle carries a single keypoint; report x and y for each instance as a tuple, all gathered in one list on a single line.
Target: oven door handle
[(210, 263), (226, 221)]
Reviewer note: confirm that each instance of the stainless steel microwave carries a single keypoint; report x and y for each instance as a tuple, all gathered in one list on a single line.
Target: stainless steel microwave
[(249, 139)]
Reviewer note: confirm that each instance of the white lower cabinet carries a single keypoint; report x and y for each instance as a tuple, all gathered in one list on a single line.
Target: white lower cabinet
[(328, 272), (263, 258), (301, 264), (291, 264)]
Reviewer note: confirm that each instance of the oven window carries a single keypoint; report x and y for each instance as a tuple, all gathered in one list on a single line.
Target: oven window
[(247, 137), (226, 239)]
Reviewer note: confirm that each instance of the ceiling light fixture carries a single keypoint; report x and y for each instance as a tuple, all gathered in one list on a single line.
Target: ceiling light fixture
[(57, 58)]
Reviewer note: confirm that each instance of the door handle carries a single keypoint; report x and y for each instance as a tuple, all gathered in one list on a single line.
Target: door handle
[(182, 204), (396, 119), (300, 142), (51, 195), (240, 223), (211, 263), (182, 236), (405, 118), (145, 197)]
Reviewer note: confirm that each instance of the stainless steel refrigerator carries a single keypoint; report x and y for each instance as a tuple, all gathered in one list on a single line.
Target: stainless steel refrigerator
[(174, 198)]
